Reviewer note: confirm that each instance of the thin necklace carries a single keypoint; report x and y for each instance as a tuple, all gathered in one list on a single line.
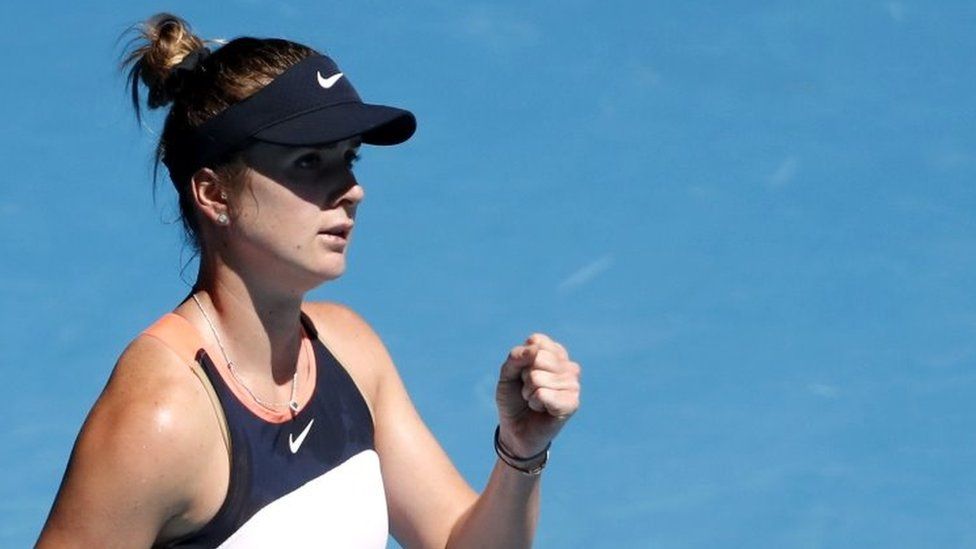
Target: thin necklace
[(273, 406)]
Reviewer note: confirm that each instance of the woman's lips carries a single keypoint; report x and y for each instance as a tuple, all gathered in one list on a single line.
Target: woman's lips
[(338, 235), (342, 239)]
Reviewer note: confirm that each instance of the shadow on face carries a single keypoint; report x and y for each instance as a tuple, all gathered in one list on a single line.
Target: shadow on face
[(306, 170)]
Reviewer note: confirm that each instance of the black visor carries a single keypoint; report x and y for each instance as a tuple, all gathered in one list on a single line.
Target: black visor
[(311, 103)]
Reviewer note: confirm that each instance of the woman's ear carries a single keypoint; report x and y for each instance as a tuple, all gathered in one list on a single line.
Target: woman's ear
[(210, 196)]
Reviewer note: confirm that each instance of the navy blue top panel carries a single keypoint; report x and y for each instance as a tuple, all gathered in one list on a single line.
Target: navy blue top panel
[(263, 467)]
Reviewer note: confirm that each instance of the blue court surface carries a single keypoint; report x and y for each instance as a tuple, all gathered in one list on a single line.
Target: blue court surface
[(751, 222)]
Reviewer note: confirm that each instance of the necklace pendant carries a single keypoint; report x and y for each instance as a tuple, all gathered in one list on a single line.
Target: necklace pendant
[(293, 405)]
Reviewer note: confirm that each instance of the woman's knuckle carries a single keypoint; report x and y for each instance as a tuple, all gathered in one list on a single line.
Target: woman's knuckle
[(537, 377), (545, 357)]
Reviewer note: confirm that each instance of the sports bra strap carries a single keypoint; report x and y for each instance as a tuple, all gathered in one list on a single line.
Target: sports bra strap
[(176, 332)]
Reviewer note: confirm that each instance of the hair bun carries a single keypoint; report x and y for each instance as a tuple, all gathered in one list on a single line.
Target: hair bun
[(184, 71), (163, 42)]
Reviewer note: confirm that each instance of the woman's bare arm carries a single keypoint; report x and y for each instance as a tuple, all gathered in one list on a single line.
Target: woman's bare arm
[(430, 504), (142, 451)]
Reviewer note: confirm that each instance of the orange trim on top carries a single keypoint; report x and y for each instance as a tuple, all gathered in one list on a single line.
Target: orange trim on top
[(180, 335), (305, 386)]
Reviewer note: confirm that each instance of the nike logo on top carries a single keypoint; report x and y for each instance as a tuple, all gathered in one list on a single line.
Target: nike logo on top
[(295, 444), (328, 82)]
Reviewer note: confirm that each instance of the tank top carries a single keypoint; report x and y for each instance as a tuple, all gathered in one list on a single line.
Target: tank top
[(297, 479)]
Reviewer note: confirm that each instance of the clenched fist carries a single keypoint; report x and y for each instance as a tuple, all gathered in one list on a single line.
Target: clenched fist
[(538, 390)]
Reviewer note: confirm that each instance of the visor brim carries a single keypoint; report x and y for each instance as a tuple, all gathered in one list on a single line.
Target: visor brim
[(376, 124)]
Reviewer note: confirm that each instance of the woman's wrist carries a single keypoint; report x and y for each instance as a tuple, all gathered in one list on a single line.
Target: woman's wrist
[(529, 465)]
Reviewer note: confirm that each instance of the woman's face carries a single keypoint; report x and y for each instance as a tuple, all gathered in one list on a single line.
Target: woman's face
[(293, 219)]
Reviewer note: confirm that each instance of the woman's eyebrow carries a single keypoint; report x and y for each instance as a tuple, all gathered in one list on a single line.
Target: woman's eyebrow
[(332, 146)]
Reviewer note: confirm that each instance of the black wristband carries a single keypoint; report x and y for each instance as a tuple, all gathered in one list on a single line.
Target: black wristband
[(528, 465)]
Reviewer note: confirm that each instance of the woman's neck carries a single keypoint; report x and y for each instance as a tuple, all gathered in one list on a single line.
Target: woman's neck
[(259, 328)]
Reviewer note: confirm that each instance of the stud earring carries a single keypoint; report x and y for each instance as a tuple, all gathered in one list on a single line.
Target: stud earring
[(222, 219), (223, 195)]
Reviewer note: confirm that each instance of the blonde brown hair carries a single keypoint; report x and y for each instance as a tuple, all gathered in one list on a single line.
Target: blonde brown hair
[(232, 73)]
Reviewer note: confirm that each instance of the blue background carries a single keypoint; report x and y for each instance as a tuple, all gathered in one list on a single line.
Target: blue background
[(751, 222)]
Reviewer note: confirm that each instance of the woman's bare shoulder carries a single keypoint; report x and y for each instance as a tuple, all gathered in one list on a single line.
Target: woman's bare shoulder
[(153, 386), (339, 324), (332, 311), (354, 343), (140, 452)]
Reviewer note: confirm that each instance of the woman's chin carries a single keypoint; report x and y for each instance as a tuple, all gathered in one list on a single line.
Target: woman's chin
[(331, 270)]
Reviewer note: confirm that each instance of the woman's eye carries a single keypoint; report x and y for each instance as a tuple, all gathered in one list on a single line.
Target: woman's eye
[(308, 161), (351, 158)]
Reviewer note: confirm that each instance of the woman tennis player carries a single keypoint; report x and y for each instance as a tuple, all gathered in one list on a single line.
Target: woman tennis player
[(248, 417)]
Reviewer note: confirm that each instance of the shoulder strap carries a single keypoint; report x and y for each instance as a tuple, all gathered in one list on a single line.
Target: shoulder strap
[(182, 338)]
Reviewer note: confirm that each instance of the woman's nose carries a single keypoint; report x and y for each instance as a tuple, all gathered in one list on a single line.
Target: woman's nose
[(355, 194), (351, 194)]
